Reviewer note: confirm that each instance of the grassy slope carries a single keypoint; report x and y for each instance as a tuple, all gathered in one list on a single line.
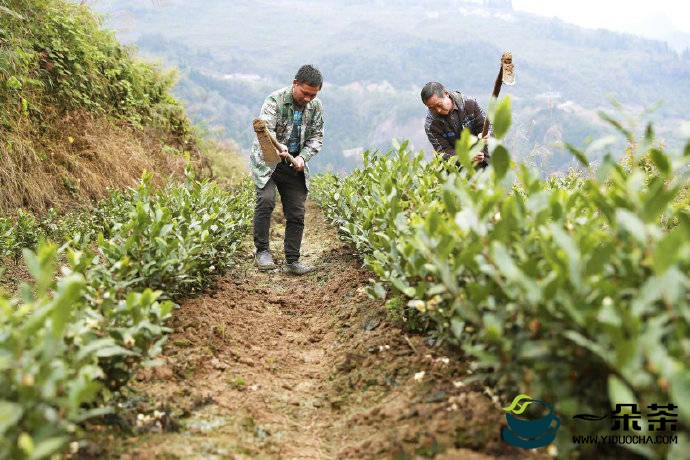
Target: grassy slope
[(81, 113)]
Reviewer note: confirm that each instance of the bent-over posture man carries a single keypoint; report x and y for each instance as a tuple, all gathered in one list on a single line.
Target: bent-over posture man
[(295, 116), (450, 112)]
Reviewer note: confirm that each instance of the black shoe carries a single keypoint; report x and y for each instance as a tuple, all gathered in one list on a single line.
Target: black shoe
[(296, 268), (264, 260)]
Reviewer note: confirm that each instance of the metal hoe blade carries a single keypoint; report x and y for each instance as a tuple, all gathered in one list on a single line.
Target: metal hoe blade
[(268, 143), (267, 147)]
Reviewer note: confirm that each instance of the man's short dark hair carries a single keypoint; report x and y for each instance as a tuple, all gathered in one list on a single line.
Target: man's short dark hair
[(432, 88), (310, 75)]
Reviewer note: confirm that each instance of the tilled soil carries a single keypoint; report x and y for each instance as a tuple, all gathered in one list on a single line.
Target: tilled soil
[(274, 366)]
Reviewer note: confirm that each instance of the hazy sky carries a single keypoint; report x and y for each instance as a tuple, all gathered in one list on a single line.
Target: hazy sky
[(647, 18)]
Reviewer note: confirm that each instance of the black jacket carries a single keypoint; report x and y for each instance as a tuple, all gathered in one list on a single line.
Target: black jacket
[(444, 130)]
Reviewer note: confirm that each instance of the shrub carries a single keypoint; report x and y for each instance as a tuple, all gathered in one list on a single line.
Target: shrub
[(57, 55), (69, 340), (575, 290)]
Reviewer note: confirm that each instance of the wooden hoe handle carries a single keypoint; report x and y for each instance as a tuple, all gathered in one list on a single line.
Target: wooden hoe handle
[(505, 75)]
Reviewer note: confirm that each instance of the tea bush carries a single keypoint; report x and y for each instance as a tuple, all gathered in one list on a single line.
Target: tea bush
[(70, 339), (575, 290), (51, 341)]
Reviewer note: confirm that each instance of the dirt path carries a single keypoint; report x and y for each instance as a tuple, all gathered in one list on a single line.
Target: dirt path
[(273, 366)]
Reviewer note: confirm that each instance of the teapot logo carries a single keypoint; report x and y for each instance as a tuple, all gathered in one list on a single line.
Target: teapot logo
[(529, 434)]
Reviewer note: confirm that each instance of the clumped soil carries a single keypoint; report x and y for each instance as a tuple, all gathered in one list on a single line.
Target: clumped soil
[(273, 366)]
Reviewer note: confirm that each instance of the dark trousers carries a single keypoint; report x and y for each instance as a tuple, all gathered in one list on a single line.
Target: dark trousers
[(293, 194)]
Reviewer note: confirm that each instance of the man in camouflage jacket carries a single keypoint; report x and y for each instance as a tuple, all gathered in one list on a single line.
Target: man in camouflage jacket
[(449, 113), (295, 116)]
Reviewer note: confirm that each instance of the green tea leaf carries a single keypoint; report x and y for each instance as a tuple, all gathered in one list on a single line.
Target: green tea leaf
[(660, 160), (679, 390), (10, 413), (69, 291), (13, 83), (666, 251), (47, 447), (379, 290), (26, 443), (619, 392), (462, 148), (617, 125), (577, 154), (500, 160), (632, 224), (657, 200), (502, 118), (457, 327), (649, 133)]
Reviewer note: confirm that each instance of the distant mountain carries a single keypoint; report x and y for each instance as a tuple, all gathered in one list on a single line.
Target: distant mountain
[(661, 28), (375, 57)]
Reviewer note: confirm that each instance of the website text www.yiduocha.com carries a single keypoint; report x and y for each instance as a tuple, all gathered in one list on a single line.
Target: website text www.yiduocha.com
[(626, 439)]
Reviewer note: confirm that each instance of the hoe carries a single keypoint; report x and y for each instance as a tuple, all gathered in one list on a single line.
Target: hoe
[(506, 75), (269, 144)]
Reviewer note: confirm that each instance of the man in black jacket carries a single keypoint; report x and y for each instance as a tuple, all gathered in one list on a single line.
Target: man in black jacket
[(450, 112)]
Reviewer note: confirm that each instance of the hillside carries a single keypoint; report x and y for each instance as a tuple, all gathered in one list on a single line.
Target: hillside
[(81, 113), (376, 56), (106, 216), (135, 322)]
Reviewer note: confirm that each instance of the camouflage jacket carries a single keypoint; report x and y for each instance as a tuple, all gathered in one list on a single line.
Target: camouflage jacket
[(277, 111)]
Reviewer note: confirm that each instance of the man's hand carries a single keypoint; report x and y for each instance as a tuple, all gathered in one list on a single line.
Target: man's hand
[(480, 156), (282, 151), (299, 164)]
